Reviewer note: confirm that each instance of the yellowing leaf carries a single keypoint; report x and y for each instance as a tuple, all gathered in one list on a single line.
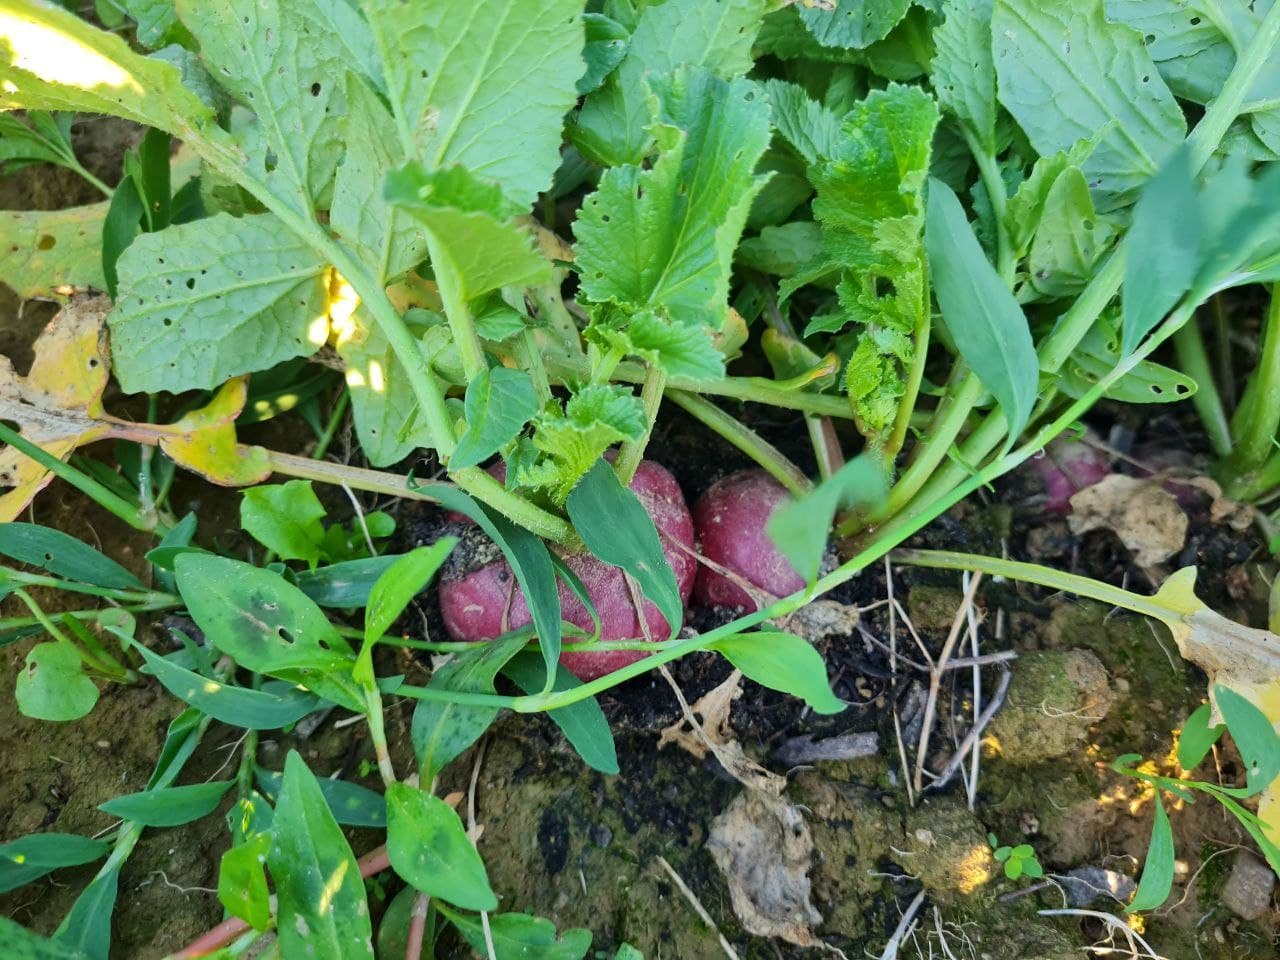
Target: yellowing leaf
[(41, 250), (57, 405), (205, 441)]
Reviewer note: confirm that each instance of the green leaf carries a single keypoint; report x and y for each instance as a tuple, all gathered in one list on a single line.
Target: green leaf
[(1025, 207), (529, 559), (617, 529), (613, 126), (120, 229), (1254, 735), (388, 240), (1197, 737), (1069, 240), (351, 804), (242, 881), (1157, 873), (52, 684), (344, 585), (783, 661), (662, 238), (783, 250), (628, 952), (809, 126), (87, 927), (594, 419), (1099, 353), (964, 74), (267, 625), (271, 708), (1013, 868), (1163, 255), (31, 857), (1031, 867), (50, 59), (519, 936), (442, 731), (470, 230), (854, 23), (169, 806), (46, 249), (22, 944), (394, 591), (482, 84), (285, 518), (322, 909), (984, 320), (157, 22), (800, 528), (63, 556), (293, 77), (428, 847), (202, 302), (606, 45), (499, 403), (1067, 74), (583, 723)]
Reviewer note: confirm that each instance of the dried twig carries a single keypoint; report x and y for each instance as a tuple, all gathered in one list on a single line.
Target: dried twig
[(890, 951), (698, 908), (971, 738)]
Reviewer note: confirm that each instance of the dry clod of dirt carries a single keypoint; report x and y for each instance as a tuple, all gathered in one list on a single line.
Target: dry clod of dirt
[(946, 848), (1055, 697), (763, 846), (1248, 890), (1145, 516)]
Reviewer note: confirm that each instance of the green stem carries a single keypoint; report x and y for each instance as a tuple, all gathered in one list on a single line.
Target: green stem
[(1258, 416), (8, 624), (989, 171), (1260, 485), (456, 311), (1034, 573), (94, 181), (632, 451), (745, 439), (1194, 360), (530, 359), (915, 377), (91, 488), (107, 593), (107, 669), (331, 427)]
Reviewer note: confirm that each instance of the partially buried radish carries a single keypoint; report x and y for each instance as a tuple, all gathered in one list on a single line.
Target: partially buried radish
[(1066, 467), (730, 521), (480, 599)]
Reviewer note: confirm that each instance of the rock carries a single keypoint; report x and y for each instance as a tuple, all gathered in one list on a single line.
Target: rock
[(1247, 892), (1055, 697), (946, 848)]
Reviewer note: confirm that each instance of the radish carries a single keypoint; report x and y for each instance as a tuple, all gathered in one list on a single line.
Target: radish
[(730, 521), (484, 601), (1065, 468)]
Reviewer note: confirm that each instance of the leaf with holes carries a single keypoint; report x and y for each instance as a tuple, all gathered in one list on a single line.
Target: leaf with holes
[(44, 251)]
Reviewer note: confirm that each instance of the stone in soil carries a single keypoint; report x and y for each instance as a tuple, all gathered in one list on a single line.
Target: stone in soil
[(1055, 697), (1248, 890)]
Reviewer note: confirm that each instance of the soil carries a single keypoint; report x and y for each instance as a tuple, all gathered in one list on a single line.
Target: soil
[(587, 850)]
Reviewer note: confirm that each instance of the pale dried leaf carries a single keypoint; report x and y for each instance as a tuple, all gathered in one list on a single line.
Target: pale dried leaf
[(762, 845), (1144, 515)]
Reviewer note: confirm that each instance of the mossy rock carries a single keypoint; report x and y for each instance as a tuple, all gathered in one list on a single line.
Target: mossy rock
[(933, 608), (946, 847), (1053, 700)]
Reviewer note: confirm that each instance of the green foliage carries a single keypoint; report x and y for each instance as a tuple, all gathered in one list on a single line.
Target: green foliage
[(520, 935), (499, 404), (429, 848), (52, 686), (1019, 861), (783, 661), (63, 556), (168, 806)]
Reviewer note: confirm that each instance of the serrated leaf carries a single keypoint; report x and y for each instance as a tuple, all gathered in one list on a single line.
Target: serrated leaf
[(1157, 872), (428, 847), (323, 912), (617, 529), (606, 44), (662, 239), (1163, 256), (41, 250), (853, 23), (267, 625), (499, 402), (63, 556), (783, 661), (274, 706), (202, 302), (285, 518), (986, 323), (964, 74), (293, 77), (168, 806), (470, 230), (594, 419), (800, 528), (50, 59), (613, 126), (809, 126), (1066, 74), (519, 935), (583, 723), (482, 84), (52, 686)]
